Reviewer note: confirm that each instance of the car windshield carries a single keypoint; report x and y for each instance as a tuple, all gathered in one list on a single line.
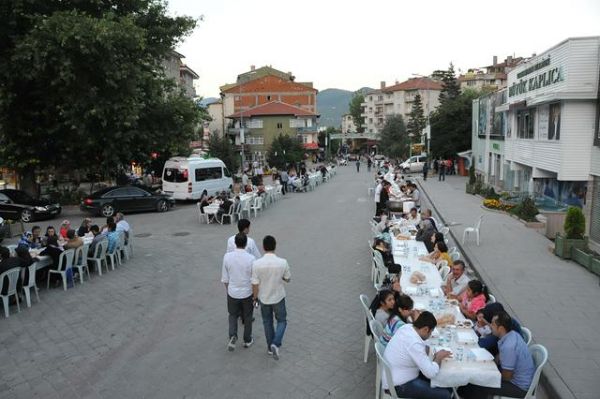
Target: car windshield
[(175, 175), (20, 197)]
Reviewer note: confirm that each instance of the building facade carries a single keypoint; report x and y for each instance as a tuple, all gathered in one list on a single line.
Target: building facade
[(491, 77), (551, 146), (256, 128), (182, 74)]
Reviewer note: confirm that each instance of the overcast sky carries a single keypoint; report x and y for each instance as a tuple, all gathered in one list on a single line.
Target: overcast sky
[(349, 44)]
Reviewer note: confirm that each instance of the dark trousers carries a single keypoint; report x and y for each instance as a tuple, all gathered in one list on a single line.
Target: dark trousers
[(420, 388), (507, 389), (442, 175), (283, 187), (244, 308)]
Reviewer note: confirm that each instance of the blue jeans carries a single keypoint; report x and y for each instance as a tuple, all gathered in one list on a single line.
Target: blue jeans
[(274, 335), (420, 388)]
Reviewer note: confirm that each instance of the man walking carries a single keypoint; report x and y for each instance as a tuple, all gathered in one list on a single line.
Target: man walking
[(284, 180), (358, 165), (442, 175), (237, 275), (269, 274), (369, 164), (425, 169), (244, 228)]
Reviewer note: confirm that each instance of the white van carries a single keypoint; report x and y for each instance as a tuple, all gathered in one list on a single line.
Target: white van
[(186, 178), (414, 163)]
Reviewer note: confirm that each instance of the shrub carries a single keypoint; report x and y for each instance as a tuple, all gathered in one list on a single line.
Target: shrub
[(491, 194), (526, 210), (574, 223)]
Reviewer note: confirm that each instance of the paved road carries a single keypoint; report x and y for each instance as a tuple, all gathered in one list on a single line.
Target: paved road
[(557, 300), (157, 326)]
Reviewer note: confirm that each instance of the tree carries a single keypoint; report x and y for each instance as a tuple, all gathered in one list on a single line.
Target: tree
[(94, 93), (222, 148), (451, 125), (393, 138), (450, 86), (416, 119), (356, 111), (285, 150)]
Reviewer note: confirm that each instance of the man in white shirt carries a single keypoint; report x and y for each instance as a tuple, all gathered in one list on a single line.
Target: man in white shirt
[(237, 275), (427, 214), (378, 196), (269, 274), (122, 224), (407, 355), (457, 281), (244, 228)]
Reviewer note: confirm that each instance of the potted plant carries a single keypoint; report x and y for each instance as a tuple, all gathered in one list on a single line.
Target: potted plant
[(574, 234), (583, 257)]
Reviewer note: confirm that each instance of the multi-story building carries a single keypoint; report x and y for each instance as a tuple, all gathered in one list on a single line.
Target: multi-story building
[(491, 76), (182, 74), (398, 100), (262, 124), (551, 145), (217, 124)]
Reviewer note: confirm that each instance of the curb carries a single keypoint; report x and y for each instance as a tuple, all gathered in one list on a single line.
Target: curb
[(554, 387)]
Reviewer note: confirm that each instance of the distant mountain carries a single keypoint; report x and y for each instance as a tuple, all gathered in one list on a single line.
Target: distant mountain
[(208, 100), (332, 104)]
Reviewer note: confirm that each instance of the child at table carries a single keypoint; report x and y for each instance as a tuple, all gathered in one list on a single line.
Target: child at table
[(474, 298), (482, 327)]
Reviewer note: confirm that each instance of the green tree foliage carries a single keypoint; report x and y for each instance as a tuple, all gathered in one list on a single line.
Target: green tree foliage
[(416, 119), (574, 223), (451, 125), (451, 88), (83, 85), (222, 148), (356, 111), (394, 141), (285, 150)]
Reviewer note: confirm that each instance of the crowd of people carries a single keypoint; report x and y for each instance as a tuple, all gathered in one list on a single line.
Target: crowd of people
[(253, 280)]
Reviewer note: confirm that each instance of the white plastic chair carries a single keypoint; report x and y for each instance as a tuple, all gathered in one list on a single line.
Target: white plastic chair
[(452, 250), (99, 256), (128, 247), (455, 256), (246, 207), (381, 270), (258, 205), (80, 262), (228, 214), (278, 192), (32, 269), (492, 298), (526, 333), (444, 271), (540, 357), (441, 264), (237, 211), (112, 256), (364, 300), (444, 230), (201, 215), (377, 331), (120, 247), (13, 277), (65, 262), (473, 230)]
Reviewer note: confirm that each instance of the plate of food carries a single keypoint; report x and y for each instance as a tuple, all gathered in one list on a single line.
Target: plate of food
[(418, 278), (464, 324), (452, 302), (445, 319)]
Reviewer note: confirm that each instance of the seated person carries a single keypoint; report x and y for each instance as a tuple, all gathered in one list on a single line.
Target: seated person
[(73, 241), (456, 281), (440, 252), (413, 217), (205, 200), (113, 237), (482, 326), (383, 224), (514, 361), (53, 250), (426, 214), (85, 227), (409, 361), (388, 259), (32, 239), (424, 234), (382, 305), (64, 227), (248, 188), (490, 342), (97, 238), (7, 262), (399, 316), (473, 299), (225, 206)]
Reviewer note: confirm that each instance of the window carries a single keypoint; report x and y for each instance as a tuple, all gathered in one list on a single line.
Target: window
[(208, 173), (268, 98), (175, 175), (226, 172), (525, 123), (237, 98), (554, 122), (4, 199), (120, 192), (370, 120), (279, 125), (379, 98)]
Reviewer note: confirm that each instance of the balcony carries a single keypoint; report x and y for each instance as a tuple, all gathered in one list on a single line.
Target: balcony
[(235, 131), (306, 129)]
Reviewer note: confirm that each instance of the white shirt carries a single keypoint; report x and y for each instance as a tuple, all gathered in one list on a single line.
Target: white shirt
[(122, 225), (458, 285), (250, 247), (237, 272), (414, 221), (416, 195), (378, 192), (268, 273), (406, 354), (244, 179)]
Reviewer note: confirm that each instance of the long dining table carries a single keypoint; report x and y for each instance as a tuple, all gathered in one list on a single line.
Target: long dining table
[(469, 363)]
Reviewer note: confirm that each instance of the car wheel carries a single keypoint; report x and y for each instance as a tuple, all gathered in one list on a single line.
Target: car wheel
[(108, 210), (26, 216), (162, 206)]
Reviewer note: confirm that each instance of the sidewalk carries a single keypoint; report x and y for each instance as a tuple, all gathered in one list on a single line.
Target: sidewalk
[(557, 300)]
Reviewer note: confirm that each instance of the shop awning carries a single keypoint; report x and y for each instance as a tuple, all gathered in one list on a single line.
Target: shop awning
[(311, 146)]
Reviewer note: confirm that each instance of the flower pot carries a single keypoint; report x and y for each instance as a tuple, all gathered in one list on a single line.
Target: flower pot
[(595, 266), (582, 257), (562, 245)]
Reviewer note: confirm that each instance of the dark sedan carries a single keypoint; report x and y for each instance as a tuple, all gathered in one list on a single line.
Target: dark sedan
[(111, 200), (18, 205)]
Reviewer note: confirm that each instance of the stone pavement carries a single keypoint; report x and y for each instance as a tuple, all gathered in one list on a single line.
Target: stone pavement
[(157, 326), (557, 300)]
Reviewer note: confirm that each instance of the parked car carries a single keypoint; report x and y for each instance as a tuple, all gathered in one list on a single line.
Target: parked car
[(414, 163), (111, 200), (18, 205)]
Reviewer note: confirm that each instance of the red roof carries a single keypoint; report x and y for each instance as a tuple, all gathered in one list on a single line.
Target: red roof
[(416, 84), (273, 108), (311, 146)]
